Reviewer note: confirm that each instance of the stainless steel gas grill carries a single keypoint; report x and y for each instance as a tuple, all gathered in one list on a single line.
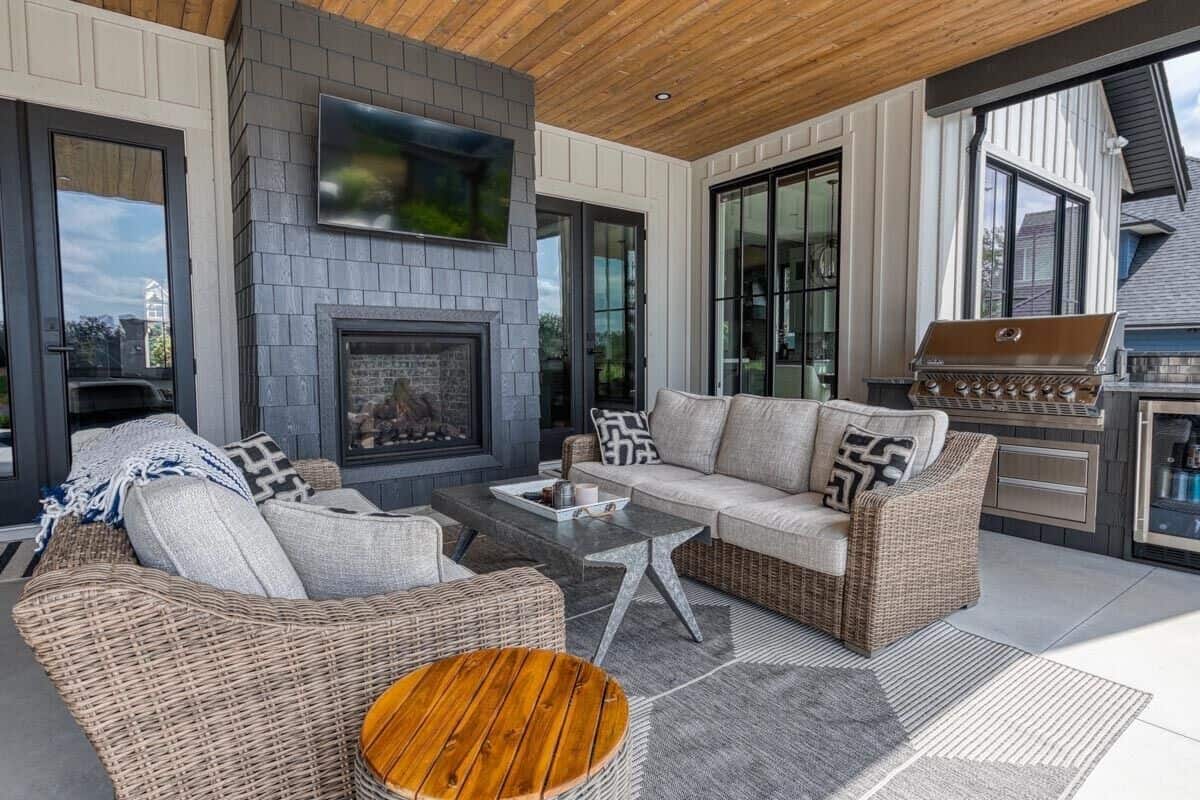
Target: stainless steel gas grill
[(1026, 371)]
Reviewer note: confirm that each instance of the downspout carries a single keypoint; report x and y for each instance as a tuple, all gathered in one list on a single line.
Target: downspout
[(972, 232)]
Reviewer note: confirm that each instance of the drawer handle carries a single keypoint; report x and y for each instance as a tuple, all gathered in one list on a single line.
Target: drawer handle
[(1044, 451), (1042, 485)]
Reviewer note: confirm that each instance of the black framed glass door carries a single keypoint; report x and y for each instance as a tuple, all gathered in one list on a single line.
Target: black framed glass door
[(591, 308), (97, 317), (775, 277)]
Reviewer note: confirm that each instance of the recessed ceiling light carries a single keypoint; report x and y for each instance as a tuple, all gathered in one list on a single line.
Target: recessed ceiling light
[(663, 96)]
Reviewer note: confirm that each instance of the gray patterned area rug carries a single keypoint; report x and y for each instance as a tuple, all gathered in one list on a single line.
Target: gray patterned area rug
[(768, 708)]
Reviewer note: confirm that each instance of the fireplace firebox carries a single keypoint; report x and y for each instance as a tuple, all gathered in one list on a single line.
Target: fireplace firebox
[(412, 390)]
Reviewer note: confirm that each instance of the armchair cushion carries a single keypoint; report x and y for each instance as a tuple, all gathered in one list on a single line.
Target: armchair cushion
[(687, 428), (341, 553), (194, 528), (926, 426), (350, 499), (769, 440)]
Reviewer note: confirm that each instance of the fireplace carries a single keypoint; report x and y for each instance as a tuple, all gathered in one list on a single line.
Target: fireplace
[(410, 390)]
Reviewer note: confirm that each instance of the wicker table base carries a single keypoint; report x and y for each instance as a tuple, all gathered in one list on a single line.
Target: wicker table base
[(497, 725)]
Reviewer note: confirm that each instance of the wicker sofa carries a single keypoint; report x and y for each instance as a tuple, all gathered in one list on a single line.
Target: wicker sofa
[(904, 557), (186, 691)]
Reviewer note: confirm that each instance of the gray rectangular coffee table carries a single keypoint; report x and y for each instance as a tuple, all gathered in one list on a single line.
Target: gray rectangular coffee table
[(638, 539)]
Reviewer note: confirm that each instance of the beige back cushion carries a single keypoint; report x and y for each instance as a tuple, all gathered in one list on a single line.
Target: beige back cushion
[(687, 428), (927, 426), (769, 440)]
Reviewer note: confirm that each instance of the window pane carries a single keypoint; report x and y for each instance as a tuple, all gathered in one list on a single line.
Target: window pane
[(1035, 250), (790, 220), (554, 323), (728, 244), (754, 345), (992, 273), (820, 343), (728, 349), (112, 244), (754, 239), (789, 348), (823, 226), (1072, 278)]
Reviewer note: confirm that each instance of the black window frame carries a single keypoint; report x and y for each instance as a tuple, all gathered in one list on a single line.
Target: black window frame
[(1016, 175), (771, 177)]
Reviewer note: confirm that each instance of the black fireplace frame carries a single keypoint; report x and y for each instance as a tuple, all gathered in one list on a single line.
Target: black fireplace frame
[(474, 333), (494, 453)]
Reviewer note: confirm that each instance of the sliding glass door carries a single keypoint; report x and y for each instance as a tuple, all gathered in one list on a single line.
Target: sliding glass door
[(776, 263)]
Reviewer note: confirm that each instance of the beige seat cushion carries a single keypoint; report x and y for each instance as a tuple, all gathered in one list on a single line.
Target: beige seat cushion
[(349, 499), (687, 428), (453, 571), (796, 529), (702, 499), (926, 426), (620, 480), (769, 440)]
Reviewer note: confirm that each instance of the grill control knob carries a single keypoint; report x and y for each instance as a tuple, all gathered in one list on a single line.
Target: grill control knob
[(1066, 391), (1047, 389), (961, 387), (1029, 390), (993, 389), (933, 387), (1010, 389)]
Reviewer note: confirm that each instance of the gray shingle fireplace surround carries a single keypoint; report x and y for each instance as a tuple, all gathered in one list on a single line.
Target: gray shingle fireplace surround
[(297, 282)]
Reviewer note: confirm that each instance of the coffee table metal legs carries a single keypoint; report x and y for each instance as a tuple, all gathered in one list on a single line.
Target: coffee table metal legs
[(654, 559), (465, 537)]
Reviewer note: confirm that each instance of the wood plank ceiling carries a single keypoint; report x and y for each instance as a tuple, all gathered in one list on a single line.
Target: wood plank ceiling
[(736, 69)]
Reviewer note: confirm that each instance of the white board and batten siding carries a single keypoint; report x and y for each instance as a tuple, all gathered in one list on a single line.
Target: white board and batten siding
[(880, 140), (573, 166), (1060, 138), (69, 55)]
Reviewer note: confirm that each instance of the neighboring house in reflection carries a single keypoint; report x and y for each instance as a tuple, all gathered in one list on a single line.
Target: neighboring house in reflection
[(1159, 272)]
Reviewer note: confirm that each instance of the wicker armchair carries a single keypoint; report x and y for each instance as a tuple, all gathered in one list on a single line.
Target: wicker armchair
[(913, 553), (186, 691)]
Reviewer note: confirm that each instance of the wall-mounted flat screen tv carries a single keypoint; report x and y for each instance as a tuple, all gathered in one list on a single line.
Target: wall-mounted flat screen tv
[(384, 170)]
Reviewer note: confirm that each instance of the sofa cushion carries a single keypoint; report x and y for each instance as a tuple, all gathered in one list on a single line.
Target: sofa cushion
[(621, 480), (338, 553), (701, 499), (268, 471), (927, 426), (192, 527), (349, 499), (624, 437), (769, 440), (453, 571), (795, 529), (687, 428)]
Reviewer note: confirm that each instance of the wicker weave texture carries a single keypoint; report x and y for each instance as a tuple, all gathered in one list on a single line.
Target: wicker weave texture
[(612, 782), (579, 448), (321, 473)]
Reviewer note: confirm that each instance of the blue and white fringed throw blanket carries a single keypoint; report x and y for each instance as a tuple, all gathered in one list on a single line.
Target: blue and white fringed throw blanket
[(133, 454)]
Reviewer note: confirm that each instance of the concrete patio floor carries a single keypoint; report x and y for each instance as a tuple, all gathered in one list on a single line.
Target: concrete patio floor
[(1131, 623)]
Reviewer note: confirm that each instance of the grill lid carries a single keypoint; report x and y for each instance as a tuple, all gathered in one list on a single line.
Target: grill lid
[(1078, 343)]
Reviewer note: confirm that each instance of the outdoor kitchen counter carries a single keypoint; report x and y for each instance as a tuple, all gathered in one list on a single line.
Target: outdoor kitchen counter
[(1154, 387)]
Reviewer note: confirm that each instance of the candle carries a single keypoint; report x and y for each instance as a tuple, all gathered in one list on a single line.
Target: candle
[(587, 493)]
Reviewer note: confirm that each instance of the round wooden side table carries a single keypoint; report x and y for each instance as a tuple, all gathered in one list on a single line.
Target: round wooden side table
[(495, 725)]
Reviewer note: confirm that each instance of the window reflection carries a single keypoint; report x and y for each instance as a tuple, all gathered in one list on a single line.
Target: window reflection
[(111, 214)]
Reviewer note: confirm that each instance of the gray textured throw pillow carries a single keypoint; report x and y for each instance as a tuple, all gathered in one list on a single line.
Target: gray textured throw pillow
[(342, 553), (192, 527), (866, 461)]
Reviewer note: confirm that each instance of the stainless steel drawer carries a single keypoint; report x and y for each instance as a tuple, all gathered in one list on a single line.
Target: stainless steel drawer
[(1041, 499), (1043, 464)]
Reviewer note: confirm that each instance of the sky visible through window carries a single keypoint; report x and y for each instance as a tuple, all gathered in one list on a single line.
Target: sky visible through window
[(1183, 76)]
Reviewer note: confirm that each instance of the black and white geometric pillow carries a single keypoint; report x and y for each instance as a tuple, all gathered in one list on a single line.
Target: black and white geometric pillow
[(865, 461), (267, 469), (625, 437)]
